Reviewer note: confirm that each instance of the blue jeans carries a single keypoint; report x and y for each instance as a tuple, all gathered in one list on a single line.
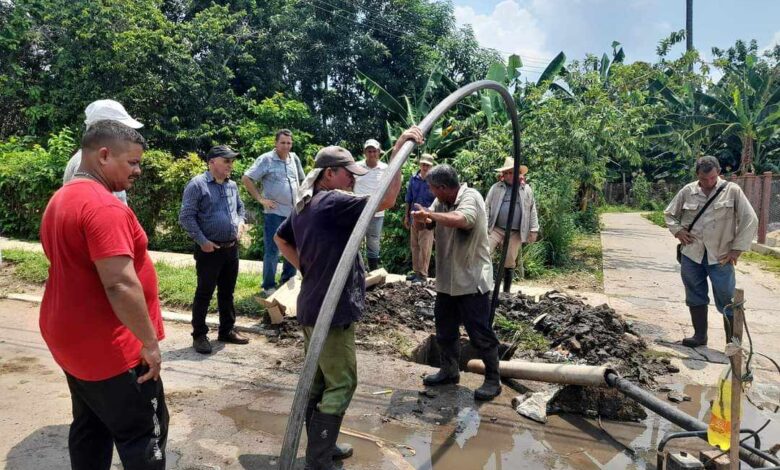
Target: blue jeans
[(271, 223), (374, 237), (694, 277)]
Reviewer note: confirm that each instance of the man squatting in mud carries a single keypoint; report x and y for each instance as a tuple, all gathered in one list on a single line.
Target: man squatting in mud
[(313, 239)]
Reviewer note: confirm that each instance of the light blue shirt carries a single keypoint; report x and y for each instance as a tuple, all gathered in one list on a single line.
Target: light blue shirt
[(279, 180)]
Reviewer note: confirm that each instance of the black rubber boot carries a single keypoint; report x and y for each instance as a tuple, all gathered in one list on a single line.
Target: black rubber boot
[(340, 451), (508, 276), (699, 321), (727, 327), (449, 372), (491, 388), (373, 263), (322, 432)]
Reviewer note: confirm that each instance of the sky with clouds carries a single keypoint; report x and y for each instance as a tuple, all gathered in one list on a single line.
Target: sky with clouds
[(538, 29)]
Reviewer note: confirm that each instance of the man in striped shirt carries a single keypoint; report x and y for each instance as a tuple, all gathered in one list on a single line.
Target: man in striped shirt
[(213, 215)]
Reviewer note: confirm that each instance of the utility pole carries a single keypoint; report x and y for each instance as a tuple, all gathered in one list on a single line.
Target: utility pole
[(689, 28)]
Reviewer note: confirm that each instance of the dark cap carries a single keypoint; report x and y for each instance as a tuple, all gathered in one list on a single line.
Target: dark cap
[(335, 156), (221, 151)]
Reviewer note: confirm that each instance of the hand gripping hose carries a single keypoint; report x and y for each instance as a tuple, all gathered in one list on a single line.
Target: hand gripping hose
[(292, 434)]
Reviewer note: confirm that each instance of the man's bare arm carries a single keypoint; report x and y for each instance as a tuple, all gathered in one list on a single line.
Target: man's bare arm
[(289, 252), (126, 295)]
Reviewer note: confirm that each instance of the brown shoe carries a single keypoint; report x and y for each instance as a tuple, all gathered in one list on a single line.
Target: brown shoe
[(233, 337)]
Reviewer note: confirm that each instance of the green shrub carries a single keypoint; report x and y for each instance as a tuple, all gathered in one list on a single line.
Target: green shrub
[(640, 192), (29, 176), (587, 221), (534, 259), (656, 217), (156, 198), (555, 202)]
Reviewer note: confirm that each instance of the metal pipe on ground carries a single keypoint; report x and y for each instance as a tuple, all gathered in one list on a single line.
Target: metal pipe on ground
[(292, 434), (567, 374), (595, 376), (750, 455)]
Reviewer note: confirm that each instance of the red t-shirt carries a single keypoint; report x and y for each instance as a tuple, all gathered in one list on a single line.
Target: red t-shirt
[(84, 222)]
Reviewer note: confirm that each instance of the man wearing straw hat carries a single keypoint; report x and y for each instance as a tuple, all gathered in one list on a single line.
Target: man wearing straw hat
[(525, 222), (420, 239)]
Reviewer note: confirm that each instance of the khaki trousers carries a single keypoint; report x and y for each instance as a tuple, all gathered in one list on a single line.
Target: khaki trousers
[(496, 238), (422, 244)]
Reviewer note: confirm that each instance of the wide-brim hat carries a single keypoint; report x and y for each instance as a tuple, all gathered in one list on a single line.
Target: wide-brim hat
[(509, 164), (109, 110), (335, 156)]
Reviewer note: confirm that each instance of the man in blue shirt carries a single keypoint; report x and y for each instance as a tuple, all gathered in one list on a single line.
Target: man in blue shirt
[(421, 240), (279, 172), (213, 215)]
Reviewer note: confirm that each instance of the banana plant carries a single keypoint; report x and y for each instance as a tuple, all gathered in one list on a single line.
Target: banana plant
[(445, 137), (747, 106), (509, 75)]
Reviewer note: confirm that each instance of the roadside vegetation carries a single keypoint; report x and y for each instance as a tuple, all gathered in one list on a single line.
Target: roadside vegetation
[(656, 217), (176, 284), (587, 121), (769, 263)]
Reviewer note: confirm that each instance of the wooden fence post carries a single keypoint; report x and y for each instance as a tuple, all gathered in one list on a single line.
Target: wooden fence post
[(736, 377), (766, 202)]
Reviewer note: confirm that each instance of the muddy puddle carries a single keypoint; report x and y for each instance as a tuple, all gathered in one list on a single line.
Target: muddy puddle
[(473, 439)]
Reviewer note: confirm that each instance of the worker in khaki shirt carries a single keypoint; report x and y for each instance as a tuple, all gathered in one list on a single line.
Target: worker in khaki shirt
[(711, 248), (463, 277)]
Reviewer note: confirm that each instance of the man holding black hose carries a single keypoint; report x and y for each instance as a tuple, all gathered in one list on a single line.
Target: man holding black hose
[(313, 239)]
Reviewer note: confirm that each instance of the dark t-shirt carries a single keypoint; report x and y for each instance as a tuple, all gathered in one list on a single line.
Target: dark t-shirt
[(320, 233)]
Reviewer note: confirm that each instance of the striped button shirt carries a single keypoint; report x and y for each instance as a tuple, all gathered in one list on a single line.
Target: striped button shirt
[(211, 211)]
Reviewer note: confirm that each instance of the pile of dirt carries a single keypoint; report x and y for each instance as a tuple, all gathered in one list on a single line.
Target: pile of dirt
[(585, 334), (576, 332)]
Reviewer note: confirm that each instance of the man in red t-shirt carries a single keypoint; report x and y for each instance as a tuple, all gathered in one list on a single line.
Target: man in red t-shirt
[(100, 315)]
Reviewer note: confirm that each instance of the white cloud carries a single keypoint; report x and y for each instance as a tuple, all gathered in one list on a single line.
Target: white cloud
[(509, 28), (772, 43)]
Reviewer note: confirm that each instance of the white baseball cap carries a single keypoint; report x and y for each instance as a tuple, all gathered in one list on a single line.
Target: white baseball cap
[(372, 143), (109, 110)]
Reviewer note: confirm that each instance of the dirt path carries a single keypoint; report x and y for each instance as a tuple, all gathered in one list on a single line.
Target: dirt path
[(642, 280), (229, 411)]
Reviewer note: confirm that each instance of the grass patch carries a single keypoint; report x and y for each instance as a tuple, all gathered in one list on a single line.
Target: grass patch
[(584, 270), (520, 334), (656, 217), (176, 285), (177, 289), (769, 263), (30, 266)]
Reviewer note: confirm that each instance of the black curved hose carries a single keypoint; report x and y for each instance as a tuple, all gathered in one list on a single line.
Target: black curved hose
[(294, 423)]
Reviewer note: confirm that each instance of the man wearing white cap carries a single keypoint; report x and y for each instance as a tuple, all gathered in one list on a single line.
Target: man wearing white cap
[(525, 223), (366, 185), (98, 111)]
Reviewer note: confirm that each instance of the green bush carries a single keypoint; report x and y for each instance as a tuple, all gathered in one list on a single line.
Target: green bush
[(555, 204), (640, 192), (29, 176), (588, 220), (156, 198)]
